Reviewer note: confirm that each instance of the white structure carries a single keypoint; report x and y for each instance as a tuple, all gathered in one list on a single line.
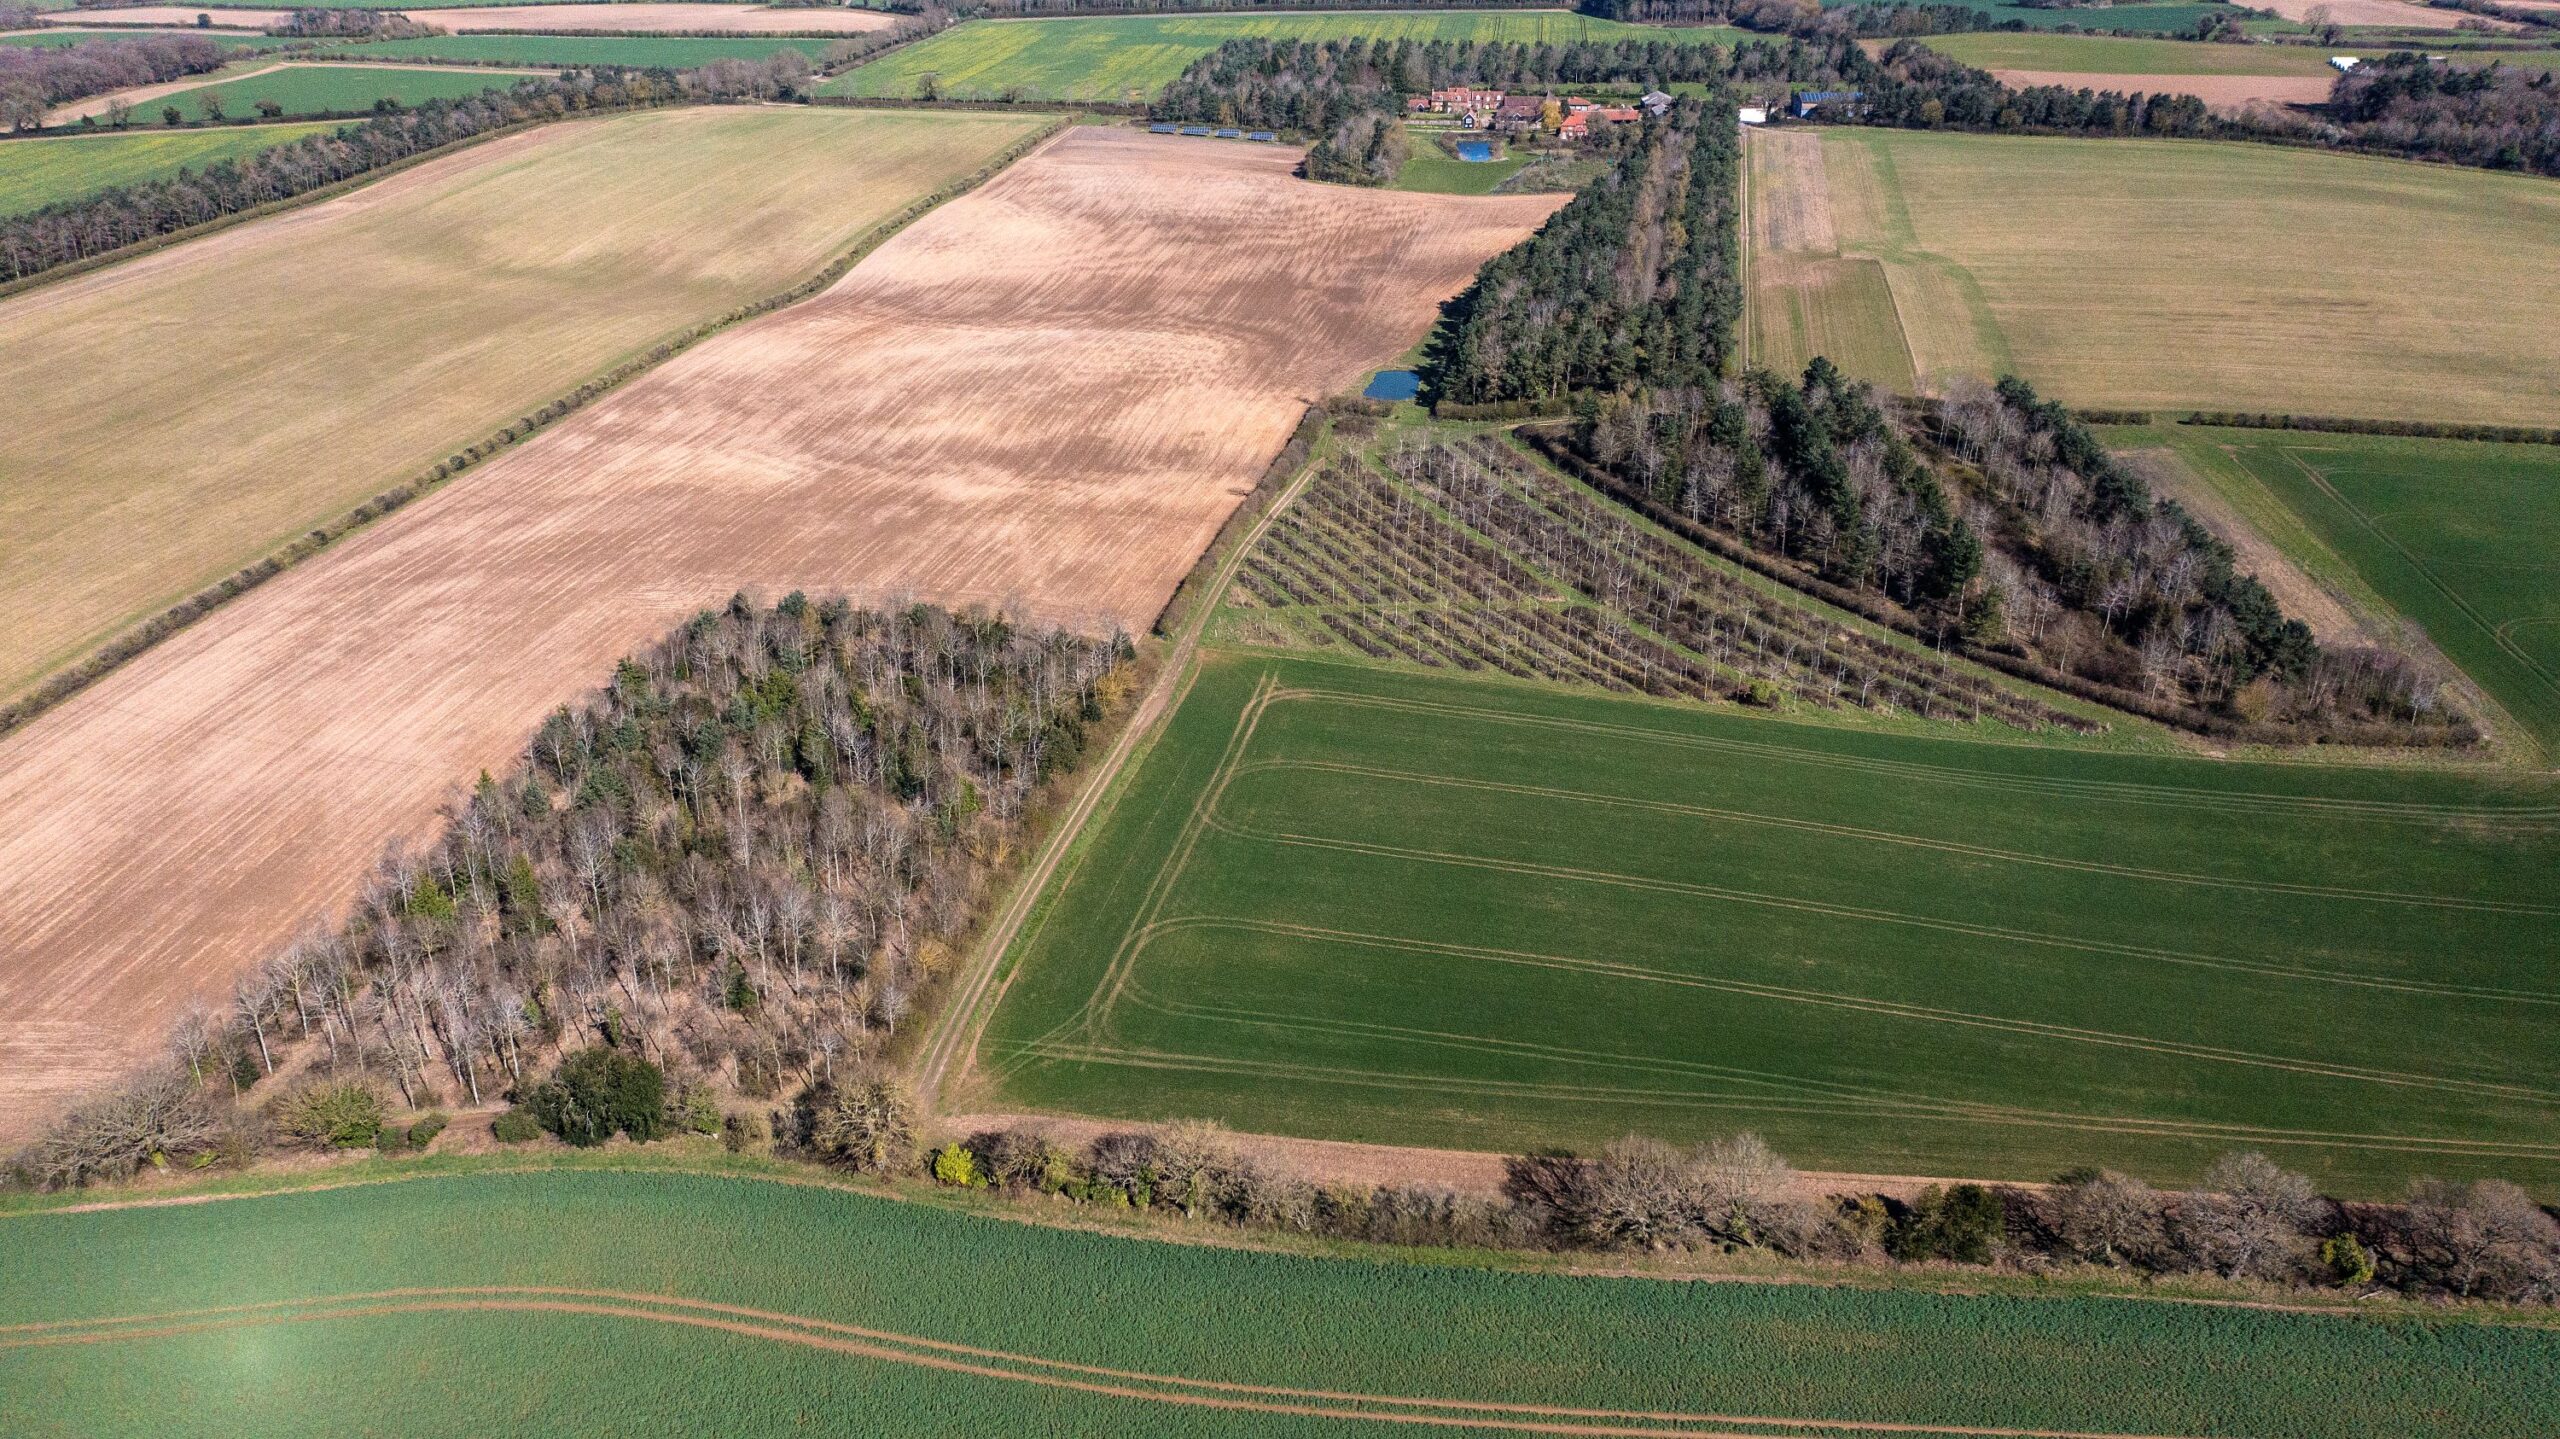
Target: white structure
[(1754, 115), (2344, 64)]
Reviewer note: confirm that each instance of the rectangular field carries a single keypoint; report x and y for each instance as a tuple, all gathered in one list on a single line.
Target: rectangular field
[(2117, 55), (1345, 903), (1131, 59), (2166, 19), (325, 90), (1360, 1343), (674, 52), (37, 173), (2175, 274), (1049, 394), (2463, 538), (681, 16)]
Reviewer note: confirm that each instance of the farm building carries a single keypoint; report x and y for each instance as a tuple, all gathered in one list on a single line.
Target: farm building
[(1754, 115), (1520, 112), (1657, 104), (1811, 100), (1574, 127), (2344, 64)]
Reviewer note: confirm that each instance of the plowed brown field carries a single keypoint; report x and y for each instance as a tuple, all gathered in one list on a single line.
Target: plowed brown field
[(679, 16), (2218, 92), (1050, 392)]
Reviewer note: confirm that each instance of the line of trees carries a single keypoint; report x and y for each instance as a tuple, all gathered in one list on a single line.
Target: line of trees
[(741, 863), (35, 78), (1310, 87), (2247, 1219), (1999, 523), (123, 215), (1632, 283), (362, 24)]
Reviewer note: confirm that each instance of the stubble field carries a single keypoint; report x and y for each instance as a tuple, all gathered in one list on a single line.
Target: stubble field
[(2317, 284), (590, 1302), (1051, 391), (1342, 902), (189, 410)]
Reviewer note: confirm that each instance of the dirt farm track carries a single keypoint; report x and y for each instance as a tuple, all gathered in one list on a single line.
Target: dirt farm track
[(1048, 393)]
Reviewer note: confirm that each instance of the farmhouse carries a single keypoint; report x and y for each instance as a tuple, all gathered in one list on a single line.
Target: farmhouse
[(1520, 112), (1464, 100)]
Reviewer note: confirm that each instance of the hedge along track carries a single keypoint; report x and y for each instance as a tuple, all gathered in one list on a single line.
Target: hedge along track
[(914, 1351)]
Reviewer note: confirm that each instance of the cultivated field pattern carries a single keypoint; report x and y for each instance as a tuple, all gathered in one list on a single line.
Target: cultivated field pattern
[(520, 267), (1344, 903), (1050, 392), (2315, 284), (855, 1315)]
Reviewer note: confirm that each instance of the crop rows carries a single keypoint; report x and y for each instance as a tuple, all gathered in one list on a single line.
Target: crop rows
[(1472, 558)]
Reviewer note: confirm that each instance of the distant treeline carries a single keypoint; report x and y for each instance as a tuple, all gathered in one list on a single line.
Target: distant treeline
[(112, 219), (1310, 87), (35, 78), (365, 24)]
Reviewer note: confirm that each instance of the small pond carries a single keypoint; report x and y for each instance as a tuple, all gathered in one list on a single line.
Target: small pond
[(1393, 385), (1476, 150)]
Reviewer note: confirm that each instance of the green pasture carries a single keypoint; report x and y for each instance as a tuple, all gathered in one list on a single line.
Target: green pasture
[(326, 90), (671, 52), (2111, 55), (37, 173), (1343, 902), (1434, 173), (295, 1352), (2461, 537), (2149, 19), (1117, 59)]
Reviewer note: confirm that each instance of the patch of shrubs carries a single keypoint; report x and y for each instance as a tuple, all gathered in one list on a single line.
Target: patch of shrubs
[(331, 1114), (598, 1093), (516, 1126)]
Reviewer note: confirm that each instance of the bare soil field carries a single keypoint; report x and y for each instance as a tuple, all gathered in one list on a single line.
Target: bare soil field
[(1049, 393), (2399, 14), (188, 410), (740, 19), (2218, 92)]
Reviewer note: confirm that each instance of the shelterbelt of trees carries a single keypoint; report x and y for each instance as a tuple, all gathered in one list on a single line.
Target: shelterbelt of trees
[(1993, 520)]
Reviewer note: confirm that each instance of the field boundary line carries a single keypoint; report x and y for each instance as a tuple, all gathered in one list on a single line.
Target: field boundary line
[(49, 691), (955, 1035)]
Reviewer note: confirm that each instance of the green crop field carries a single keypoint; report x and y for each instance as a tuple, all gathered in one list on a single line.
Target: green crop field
[(37, 173), (2461, 537), (673, 52), (581, 1301), (2150, 19), (1434, 173), (2316, 284), (2106, 55), (1131, 59), (1344, 902), (328, 90)]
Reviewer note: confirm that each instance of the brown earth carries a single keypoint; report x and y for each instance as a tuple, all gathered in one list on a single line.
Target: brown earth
[(743, 19), (2218, 92), (1049, 394), (2399, 14)]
